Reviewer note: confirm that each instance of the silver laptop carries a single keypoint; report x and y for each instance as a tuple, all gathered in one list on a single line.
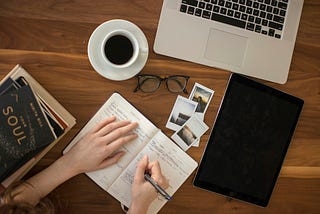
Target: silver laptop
[(250, 37)]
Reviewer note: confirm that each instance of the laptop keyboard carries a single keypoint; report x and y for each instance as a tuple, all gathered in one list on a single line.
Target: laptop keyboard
[(261, 16)]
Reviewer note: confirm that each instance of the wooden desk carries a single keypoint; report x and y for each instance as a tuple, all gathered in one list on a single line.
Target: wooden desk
[(49, 38)]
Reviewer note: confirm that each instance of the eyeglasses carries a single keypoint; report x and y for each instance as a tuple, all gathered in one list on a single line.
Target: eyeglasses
[(150, 83)]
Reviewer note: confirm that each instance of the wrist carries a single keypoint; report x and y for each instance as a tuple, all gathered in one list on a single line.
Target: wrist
[(138, 208), (66, 168)]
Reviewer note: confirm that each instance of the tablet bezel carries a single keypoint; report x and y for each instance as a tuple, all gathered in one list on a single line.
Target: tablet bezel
[(229, 192)]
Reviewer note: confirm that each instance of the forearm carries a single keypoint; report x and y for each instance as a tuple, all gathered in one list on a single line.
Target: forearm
[(45, 181)]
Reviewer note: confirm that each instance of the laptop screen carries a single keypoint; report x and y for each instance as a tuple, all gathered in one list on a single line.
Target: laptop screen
[(249, 141)]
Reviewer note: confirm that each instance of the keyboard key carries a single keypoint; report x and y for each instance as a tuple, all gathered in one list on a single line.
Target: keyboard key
[(216, 9), (264, 32), (256, 12), (267, 1), (255, 5), (228, 20), (258, 20), (223, 11), (251, 19), (275, 10), (214, 1), (230, 13), (190, 10), (237, 15), (206, 14), (269, 16), (282, 5), (228, 4), (242, 1), (191, 2), (202, 5), (271, 32), (264, 22), (249, 10), (278, 19), (278, 36), (269, 9), (263, 14), (209, 7), (183, 8), (249, 3), (242, 8), (221, 3), (275, 25), (244, 16), (282, 12), (235, 6), (274, 2), (250, 26), (258, 28), (198, 12), (262, 7)]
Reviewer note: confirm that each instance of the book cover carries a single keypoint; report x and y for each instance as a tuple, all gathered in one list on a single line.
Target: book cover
[(24, 129)]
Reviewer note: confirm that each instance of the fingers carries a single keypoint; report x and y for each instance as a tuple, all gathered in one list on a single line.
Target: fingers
[(141, 168), (112, 126), (121, 129), (103, 123), (155, 169), (112, 159), (156, 174), (115, 145)]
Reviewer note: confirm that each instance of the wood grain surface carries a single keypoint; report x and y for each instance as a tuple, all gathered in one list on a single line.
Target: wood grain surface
[(49, 38)]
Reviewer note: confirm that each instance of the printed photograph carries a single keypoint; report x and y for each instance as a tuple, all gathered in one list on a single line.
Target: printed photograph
[(182, 110), (189, 133), (202, 95)]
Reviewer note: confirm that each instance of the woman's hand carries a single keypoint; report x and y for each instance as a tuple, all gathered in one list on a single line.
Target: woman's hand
[(143, 193), (98, 148)]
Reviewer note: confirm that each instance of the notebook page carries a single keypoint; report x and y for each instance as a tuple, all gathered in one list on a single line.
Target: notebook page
[(176, 166), (123, 110)]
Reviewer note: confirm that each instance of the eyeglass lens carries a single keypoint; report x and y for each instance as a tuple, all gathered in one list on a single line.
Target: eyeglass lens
[(151, 83), (176, 83)]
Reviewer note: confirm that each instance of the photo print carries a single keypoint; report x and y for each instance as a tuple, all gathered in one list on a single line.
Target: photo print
[(190, 132), (202, 95), (182, 110)]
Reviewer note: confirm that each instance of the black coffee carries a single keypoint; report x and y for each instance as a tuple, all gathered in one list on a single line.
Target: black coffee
[(118, 49)]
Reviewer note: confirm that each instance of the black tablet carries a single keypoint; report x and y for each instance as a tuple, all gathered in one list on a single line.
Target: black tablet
[(248, 141)]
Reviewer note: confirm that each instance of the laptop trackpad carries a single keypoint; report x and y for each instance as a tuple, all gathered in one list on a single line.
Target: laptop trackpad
[(226, 47)]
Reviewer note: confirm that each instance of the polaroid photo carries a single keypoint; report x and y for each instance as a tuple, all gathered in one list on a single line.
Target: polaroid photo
[(202, 95), (182, 110), (189, 133)]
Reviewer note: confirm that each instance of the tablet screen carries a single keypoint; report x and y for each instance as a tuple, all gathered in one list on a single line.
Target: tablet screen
[(249, 141)]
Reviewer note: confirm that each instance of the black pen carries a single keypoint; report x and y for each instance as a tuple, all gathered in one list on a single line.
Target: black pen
[(158, 188)]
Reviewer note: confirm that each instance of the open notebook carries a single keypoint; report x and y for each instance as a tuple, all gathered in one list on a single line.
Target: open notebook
[(117, 179)]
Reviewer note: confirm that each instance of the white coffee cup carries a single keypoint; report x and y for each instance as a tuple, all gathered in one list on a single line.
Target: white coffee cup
[(120, 48)]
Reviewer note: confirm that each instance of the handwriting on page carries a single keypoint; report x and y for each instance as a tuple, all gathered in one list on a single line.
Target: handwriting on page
[(174, 163)]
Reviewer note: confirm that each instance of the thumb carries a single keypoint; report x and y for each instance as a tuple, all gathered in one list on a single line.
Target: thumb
[(141, 168)]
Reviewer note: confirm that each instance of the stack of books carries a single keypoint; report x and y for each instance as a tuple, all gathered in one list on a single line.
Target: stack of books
[(32, 122)]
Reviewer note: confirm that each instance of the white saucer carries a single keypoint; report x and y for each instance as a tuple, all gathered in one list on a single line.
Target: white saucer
[(97, 60)]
